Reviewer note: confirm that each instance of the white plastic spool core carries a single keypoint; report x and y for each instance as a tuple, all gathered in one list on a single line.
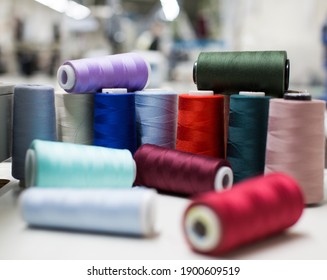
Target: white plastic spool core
[(66, 77), (114, 90), (149, 213), (224, 178), (30, 168), (252, 93), (149, 72), (201, 92), (203, 228)]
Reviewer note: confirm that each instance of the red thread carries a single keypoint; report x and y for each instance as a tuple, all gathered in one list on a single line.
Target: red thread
[(201, 125), (251, 210), (177, 172)]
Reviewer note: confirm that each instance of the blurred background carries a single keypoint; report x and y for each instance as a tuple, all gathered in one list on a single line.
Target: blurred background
[(37, 36)]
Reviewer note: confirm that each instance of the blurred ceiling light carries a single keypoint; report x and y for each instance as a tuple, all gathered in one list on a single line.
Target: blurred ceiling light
[(58, 5), (77, 11), (170, 9), (70, 8)]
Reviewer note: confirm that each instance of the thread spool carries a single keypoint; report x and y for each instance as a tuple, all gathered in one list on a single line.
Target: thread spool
[(115, 120), (181, 173), (296, 142), (34, 117), (74, 113), (266, 71), (217, 223), (6, 103), (200, 126), (58, 164), (247, 135), (129, 212), (156, 117), (128, 70)]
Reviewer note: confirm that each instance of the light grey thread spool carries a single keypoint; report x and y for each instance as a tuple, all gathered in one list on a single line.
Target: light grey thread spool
[(74, 114), (6, 98), (128, 212), (156, 117), (34, 117)]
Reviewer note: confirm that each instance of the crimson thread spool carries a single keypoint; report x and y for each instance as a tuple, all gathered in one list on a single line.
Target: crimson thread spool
[(296, 142), (217, 223), (181, 173), (200, 128)]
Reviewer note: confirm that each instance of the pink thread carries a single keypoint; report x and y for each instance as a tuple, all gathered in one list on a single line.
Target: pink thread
[(296, 144)]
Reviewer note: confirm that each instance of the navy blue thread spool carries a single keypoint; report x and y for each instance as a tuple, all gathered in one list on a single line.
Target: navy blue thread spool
[(114, 120)]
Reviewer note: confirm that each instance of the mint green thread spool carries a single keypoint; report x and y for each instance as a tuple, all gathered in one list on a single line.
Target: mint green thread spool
[(58, 164), (230, 72)]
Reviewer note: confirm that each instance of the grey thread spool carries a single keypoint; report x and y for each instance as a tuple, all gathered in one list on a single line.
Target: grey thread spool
[(74, 112), (34, 117), (6, 99), (230, 72)]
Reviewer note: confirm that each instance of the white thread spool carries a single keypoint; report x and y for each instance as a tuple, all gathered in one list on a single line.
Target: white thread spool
[(131, 212)]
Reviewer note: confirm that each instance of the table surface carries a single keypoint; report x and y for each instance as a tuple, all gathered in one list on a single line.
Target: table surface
[(305, 240)]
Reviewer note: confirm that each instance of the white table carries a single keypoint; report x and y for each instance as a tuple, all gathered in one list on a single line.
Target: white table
[(306, 240)]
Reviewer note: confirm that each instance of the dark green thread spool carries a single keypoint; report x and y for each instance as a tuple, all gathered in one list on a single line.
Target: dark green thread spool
[(247, 135), (230, 72)]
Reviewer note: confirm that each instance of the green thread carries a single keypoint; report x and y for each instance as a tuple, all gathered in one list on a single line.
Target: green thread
[(230, 72)]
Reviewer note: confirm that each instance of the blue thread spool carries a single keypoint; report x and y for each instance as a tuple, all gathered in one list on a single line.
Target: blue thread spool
[(59, 164), (156, 117), (114, 119), (131, 212)]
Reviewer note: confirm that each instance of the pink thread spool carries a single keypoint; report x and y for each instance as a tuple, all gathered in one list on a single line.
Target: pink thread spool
[(296, 142)]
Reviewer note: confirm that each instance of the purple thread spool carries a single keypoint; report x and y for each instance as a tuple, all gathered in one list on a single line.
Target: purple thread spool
[(127, 70)]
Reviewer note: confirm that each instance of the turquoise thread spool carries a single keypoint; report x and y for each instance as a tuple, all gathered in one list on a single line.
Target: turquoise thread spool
[(58, 164)]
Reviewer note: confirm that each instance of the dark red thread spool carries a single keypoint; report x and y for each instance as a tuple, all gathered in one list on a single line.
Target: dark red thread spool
[(178, 172), (200, 128), (216, 223)]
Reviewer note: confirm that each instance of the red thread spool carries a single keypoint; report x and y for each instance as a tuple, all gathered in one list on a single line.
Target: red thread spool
[(215, 223), (200, 127), (182, 173)]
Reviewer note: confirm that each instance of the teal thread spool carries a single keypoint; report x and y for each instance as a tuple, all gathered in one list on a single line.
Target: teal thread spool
[(59, 164), (230, 72), (247, 134)]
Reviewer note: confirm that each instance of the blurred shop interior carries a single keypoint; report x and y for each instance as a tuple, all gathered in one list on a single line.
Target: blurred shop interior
[(36, 36)]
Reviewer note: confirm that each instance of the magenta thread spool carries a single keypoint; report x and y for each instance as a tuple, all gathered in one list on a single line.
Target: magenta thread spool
[(128, 70)]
